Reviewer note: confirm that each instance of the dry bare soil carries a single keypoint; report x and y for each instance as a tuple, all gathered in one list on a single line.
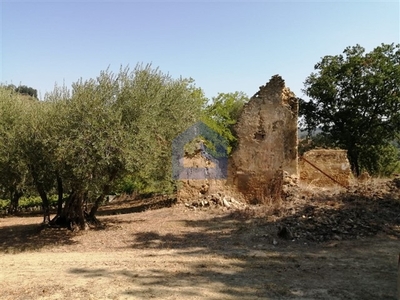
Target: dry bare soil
[(305, 250)]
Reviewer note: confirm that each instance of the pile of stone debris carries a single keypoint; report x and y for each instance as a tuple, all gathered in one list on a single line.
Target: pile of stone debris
[(360, 212), (217, 200)]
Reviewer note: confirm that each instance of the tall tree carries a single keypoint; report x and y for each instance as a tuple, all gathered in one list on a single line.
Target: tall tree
[(80, 142), (114, 125), (355, 102), (90, 149)]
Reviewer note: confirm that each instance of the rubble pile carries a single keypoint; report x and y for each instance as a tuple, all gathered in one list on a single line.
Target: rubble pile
[(217, 200), (360, 212)]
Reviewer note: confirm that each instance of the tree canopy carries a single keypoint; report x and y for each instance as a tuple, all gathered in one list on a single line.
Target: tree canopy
[(80, 142), (355, 103)]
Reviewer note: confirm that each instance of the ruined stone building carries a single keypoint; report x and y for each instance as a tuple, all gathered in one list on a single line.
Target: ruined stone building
[(264, 167), (267, 143)]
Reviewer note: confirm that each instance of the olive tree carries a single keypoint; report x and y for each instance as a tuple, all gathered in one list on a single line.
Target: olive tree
[(109, 127)]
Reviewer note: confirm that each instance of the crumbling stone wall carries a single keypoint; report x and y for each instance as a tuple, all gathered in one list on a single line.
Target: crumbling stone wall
[(332, 162), (192, 189), (267, 143)]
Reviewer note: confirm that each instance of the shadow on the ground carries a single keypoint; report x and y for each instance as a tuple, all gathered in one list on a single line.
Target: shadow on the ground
[(26, 214), (293, 264), (136, 205), (28, 237), (244, 257), (239, 256), (217, 234), (353, 271)]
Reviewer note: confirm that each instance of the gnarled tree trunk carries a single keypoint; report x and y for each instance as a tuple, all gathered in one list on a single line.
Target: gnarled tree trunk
[(73, 212)]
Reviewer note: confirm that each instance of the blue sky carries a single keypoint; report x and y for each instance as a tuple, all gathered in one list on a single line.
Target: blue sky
[(224, 46)]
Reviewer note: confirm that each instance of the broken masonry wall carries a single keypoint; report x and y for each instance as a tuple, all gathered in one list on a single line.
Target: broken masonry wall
[(201, 171), (332, 162), (191, 189), (267, 143)]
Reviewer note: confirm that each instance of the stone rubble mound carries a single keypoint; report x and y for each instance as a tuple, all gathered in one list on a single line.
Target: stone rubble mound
[(359, 212), (215, 200)]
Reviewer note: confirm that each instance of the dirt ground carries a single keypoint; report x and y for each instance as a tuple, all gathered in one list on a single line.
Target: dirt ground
[(157, 249)]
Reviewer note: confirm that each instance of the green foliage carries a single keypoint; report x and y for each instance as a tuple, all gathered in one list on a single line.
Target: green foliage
[(31, 201), (355, 102), (4, 204), (91, 141), (13, 172), (110, 133), (222, 114), (382, 160), (26, 202), (126, 185), (25, 90), (193, 147), (155, 109), (129, 184), (116, 130)]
